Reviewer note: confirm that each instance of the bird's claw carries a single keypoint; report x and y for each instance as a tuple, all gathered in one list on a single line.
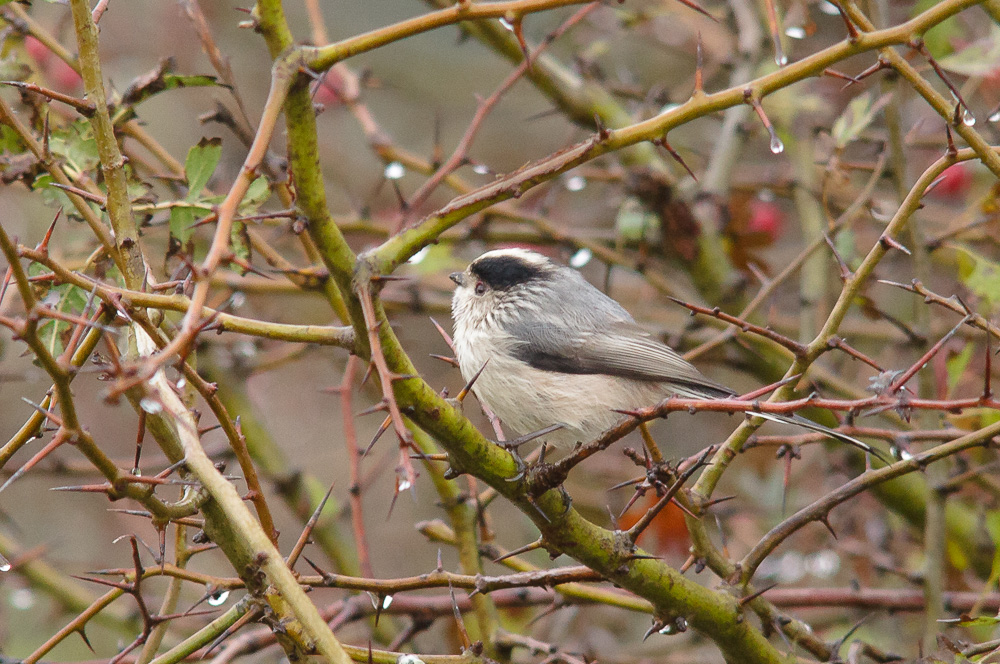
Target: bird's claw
[(522, 466), (512, 448), (532, 496)]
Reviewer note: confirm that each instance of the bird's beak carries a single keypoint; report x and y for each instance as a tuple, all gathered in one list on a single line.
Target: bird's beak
[(458, 278)]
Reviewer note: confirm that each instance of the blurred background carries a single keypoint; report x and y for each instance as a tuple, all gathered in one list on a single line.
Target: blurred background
[(421, 94)]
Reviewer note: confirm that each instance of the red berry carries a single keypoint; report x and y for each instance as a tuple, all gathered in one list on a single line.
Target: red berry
[(955, 181), (64, 77), (38, 51), (765, 217), (329, 90)]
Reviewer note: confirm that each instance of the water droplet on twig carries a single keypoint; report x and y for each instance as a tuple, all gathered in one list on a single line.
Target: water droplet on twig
[(394, 170), (151, 405), (581, 258), (218, 598)]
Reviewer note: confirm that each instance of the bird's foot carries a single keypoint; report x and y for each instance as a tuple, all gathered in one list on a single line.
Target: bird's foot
[(535, 493), (512, 446)]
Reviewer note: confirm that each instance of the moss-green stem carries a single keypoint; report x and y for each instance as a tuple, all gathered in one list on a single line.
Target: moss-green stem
[(230, 524), (113, 295), (119, 205), (461, 511)]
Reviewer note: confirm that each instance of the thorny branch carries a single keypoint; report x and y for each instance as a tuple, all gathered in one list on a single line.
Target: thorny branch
[(353, 285)]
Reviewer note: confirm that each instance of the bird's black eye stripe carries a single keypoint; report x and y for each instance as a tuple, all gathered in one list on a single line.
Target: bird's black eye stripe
[(502, 272)]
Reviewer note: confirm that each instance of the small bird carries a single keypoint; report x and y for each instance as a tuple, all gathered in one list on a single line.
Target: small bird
[(553, 349)]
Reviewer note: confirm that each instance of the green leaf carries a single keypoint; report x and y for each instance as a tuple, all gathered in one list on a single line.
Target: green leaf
[(200, 164), (51, 332), (633, 222), (10, 141), (846, 244), (978, 58), (939, 38), (239, 242), (52, 196), (142, 89), (181, 223), (66, 298), (76, 145), (956, 366), (856, 118), (980, 275), (13, 69), (257, 194)]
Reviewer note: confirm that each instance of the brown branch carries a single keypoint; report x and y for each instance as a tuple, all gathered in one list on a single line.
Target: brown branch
[(820, 510)]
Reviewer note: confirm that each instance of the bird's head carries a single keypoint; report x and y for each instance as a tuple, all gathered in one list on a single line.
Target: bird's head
[(497, 281)]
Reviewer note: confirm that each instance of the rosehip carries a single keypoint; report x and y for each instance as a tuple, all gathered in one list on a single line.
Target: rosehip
[(765, 217), (38, 51), (64, 77), (955, 181)]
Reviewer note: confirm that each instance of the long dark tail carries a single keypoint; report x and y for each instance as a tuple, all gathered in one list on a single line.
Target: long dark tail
[(800, 421), (708, 389)]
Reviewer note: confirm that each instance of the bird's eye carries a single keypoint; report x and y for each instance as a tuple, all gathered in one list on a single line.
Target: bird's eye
[(480, 288)]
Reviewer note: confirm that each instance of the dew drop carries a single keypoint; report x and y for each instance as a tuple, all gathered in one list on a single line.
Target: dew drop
[(386, 601), (791, 567), (22, 599), (777, 147), (245, 349), (796, 32), (995, 117), (581, 258), (968, 119), (404, 485), (419, 256), (182, 383), (828, 8), (407, 658), (507, 24), (4, 564), (151, 405), (394, 170), (576, 183), (481, 169), (823, 564), (781, 59), (218, 598)]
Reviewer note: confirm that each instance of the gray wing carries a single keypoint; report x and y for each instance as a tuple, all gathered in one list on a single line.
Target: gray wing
[(580, 330)]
